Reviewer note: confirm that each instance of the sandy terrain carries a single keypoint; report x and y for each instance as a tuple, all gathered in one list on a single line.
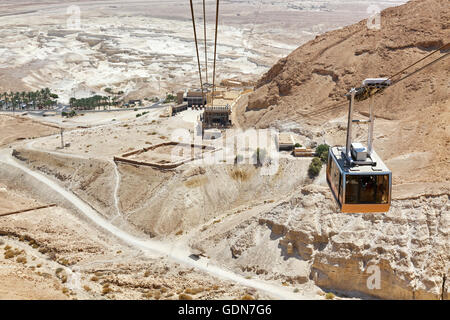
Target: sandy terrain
[(19, 128)]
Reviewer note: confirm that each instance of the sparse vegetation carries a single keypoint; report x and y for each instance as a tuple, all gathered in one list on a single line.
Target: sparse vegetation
[(194, 291), (315, 167), (69, 114), (11, 253), (170, 98), (329, 296), (322, 152), (184, 296), (239, 174), (22, 260), (106, 289)]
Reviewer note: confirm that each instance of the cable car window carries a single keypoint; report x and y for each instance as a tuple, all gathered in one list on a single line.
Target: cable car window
[(335, 177), (382, 189), (367, 189)]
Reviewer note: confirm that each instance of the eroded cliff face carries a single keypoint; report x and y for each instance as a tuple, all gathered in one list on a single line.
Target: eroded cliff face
[(408, 247), (304, 241), (410, 244)]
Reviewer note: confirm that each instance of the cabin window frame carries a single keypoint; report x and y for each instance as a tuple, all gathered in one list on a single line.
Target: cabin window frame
[(338, 189), (387, 184)]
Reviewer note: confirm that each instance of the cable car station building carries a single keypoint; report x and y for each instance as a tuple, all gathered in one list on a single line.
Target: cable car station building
[(216, 117)]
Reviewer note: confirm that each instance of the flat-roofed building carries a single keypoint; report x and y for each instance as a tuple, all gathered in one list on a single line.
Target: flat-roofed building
[(285, 141), (178, 108)]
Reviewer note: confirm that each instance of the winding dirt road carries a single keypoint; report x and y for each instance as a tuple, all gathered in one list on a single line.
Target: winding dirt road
[(175, 252)]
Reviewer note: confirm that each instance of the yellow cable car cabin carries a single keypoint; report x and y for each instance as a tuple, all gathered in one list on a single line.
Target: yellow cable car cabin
[(358, 178)]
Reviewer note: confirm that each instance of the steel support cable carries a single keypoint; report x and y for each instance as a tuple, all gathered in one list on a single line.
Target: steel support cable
[(401, 71), (329, 108), (421, 68), (204, 36), (196, 48), (215, 53)]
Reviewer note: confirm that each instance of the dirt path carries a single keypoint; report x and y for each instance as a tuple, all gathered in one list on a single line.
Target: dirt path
[(179, 254)]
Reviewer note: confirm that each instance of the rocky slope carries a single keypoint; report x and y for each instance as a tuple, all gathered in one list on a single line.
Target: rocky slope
[(304, 240), (304, 92)]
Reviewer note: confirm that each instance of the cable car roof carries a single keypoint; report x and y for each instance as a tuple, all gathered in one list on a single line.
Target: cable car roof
[(379, 168)]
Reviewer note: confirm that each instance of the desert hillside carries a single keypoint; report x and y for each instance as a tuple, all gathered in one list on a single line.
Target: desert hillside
[(319, 73), (305, 91), (115, 207)]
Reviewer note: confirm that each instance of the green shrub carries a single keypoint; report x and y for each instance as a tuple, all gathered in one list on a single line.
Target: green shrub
[(322, 152), (170, 98), (297, 145), (315, 167), (329, 296)]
